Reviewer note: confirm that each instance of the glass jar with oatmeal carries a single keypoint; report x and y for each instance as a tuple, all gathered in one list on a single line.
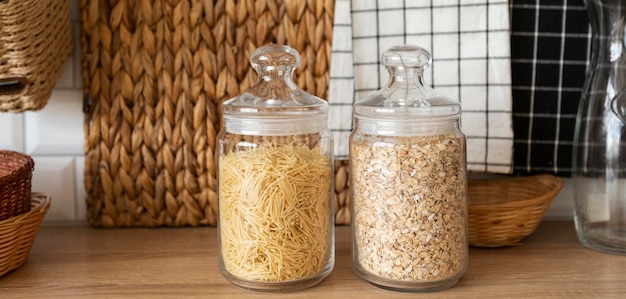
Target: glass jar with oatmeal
[(408, 181), (275, 175)]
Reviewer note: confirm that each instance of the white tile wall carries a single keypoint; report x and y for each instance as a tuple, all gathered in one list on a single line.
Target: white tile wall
[(11, 132), (54, 138), (58, 128), (55, 176)]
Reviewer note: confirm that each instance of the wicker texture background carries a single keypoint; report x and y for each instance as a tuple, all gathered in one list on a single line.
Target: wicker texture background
[(155, 74), (35, 43)]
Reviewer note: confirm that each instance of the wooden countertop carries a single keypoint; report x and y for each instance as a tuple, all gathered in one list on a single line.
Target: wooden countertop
[(83, 262)]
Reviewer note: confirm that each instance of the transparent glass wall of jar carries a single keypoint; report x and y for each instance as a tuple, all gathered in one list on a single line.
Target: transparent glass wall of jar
[(275, 176), (599, 158), (408, 181)]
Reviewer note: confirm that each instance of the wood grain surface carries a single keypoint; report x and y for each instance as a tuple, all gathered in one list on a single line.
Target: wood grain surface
[(77, 261)]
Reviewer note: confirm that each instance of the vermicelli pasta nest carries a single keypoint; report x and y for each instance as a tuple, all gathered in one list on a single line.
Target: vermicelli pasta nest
[(275, 212)]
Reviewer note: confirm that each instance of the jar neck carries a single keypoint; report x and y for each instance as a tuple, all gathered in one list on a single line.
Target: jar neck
[(275, 126), (409, 75), (408, 127), (407, 78), (605, 82), (608, 26), (274, 82)]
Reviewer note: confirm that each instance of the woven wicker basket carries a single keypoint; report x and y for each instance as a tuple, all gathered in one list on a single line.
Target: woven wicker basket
[(15, 183), (35, 42), (18, 233), (502, 212), (155, 74)]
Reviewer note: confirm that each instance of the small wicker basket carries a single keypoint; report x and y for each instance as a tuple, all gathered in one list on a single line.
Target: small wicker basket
[(502, 212), (15, 183), (17, 234)]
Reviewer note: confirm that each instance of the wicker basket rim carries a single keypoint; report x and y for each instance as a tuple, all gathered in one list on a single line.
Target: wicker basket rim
[(553, 187), (25, 168), (40, 203)]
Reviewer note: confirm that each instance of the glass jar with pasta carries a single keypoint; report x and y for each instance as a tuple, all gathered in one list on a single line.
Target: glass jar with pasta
[(275, 175), (408, 181)]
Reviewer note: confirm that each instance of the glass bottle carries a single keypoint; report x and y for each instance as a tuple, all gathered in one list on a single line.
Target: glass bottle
[(408, 181), (599, 156), (275, 176)]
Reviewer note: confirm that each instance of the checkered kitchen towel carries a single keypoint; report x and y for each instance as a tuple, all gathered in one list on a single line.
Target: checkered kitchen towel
[(341, 86), (550, 46), (469, 41)]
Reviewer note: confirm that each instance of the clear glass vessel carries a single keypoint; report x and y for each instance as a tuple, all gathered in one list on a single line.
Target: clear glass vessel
[(408, 181), (275, 181), (599, 157)]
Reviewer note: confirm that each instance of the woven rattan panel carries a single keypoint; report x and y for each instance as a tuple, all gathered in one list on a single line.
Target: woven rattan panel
[(155, 74)]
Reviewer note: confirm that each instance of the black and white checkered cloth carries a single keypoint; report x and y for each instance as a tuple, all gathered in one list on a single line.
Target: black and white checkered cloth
[(550, 46), (469, 41)]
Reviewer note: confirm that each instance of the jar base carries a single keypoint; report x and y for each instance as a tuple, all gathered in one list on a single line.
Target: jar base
[(603, 239), (277, 287), (407, 286)]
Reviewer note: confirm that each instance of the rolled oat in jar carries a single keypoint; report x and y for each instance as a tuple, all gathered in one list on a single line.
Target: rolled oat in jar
[(409, 182)]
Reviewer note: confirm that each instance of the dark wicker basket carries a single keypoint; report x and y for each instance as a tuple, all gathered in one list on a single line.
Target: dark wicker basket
[(15, 183)]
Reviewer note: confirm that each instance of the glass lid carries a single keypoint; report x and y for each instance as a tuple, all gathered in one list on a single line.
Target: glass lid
[(275, 94), (406, 95)]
